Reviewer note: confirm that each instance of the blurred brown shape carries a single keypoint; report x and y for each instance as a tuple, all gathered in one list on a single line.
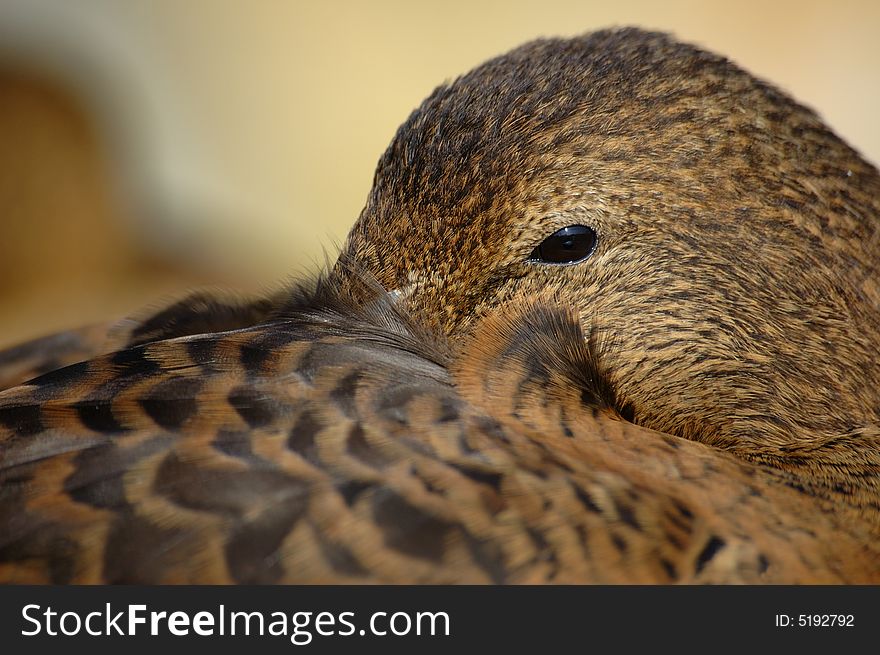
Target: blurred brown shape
[(65, 256)]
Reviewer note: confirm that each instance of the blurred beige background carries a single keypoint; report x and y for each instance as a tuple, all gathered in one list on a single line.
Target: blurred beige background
[(149, 146)]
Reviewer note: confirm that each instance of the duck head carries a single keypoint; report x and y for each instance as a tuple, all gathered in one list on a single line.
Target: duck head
[(718, 243)]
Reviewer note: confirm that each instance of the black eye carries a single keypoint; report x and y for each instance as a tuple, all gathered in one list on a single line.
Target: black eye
[(569, 245)]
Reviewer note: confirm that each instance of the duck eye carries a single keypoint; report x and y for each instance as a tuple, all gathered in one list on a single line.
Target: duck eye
[(566, 246)]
